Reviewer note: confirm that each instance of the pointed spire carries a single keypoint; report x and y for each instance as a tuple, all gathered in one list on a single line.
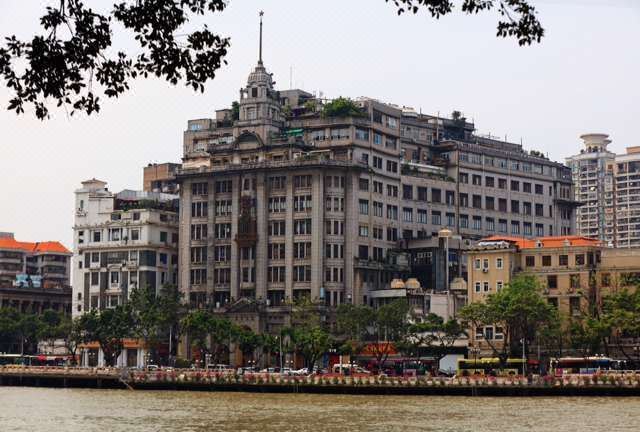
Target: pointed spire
[(260, 55)]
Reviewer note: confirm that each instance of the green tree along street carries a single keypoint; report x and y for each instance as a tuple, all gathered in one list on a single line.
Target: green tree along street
[(73, 62), (519, 309), (432, 336), (621, 317), (154, 316), (109, 328), (374, 329)]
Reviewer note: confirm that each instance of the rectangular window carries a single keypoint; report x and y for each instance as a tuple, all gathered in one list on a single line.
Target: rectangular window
[(199, 188), (502, 225), (377, 209), (464, 200), (363, 231), (490, 224), (362, 134), (546, 261), (515, 227), (363, 206), (436, 195), (392, 212), (552, 281), (477, 223), (436, 217), (530, 261), (199, 209), (539, 189), (407, 192), (302, 227), (363, 184), (407, 214), (422, 193), (489, 203), (464, 221), (422, 216), (451, 219)]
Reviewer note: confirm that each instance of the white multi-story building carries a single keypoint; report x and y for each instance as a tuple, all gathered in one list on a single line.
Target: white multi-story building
[(121, 241), (627, 198), (608, 187)]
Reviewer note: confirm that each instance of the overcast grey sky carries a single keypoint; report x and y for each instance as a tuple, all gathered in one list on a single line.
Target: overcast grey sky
[(583, 77)]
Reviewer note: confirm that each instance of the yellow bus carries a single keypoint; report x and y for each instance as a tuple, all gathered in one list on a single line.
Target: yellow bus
[(490, 366)]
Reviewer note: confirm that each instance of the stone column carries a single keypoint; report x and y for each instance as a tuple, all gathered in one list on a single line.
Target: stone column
[(317, 237), (350, 235), (260, 260), (184, 238), (235, 252), (288, 260)]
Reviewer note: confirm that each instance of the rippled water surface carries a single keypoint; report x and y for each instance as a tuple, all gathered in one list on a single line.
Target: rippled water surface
[(70, 410)]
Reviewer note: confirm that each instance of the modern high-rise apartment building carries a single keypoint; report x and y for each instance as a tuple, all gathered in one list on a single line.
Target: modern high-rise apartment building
[(121, 241), (592, 172), (627, 198), (282, 197), (608, 187)]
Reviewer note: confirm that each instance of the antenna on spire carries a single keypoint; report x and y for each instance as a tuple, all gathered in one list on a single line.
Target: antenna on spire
[(260, 55)]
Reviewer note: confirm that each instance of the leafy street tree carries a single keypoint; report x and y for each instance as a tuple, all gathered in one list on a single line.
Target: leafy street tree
[(621, 313), (375, 330), (50, 329), (311, 342), (109, 328), (587, 335), (154, 315), (248, 341), (9, 318), (72, 334), (519, 309), (432, 335), (308, 335), (74, 63), (196, 324)]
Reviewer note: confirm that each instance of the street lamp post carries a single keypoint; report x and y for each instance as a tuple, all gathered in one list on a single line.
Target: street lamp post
[(524, 360)]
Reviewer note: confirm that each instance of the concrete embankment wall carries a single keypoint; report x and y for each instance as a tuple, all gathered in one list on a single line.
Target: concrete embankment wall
[(436, 390)]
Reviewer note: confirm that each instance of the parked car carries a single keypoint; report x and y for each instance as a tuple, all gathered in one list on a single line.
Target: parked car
[(221, 368)]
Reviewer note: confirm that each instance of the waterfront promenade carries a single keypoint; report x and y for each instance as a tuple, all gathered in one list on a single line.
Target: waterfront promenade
[(600, 384)]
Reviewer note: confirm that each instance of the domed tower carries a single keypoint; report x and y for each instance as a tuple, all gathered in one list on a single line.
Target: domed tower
[(260, 107)]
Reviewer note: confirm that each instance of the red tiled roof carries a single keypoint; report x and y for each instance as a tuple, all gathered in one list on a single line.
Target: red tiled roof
[(547, 242), (42, 247)]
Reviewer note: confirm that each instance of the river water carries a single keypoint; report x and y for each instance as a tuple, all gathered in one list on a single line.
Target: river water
[(71, 410)]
